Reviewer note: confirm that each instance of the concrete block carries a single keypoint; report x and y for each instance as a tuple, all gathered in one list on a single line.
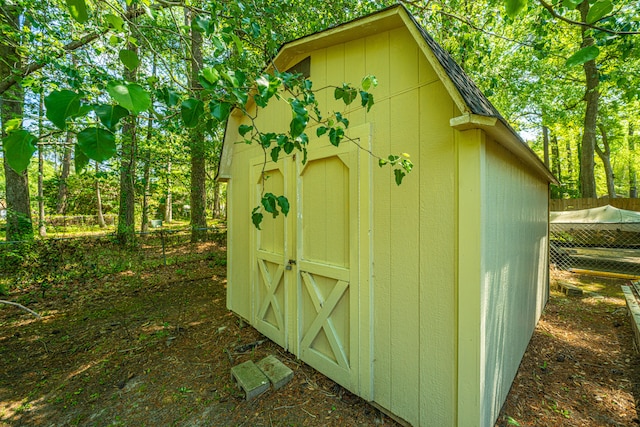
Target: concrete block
[(250, 378), (278, 373)]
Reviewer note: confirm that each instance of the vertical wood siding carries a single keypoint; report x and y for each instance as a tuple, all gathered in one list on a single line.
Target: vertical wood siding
[(515, 269)]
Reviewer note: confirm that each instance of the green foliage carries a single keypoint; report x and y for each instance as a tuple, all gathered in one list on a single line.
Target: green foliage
[(129, 58), (61, 105), (585, 54), (130, 96), (110, 115), (191, 110), (598, 10), (19, 146), (514, 7), (78, 10), (98, 144)]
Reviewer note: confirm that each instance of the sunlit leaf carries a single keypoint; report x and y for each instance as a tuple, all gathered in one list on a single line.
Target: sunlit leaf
[(114, 21), (19, 146), (599, 10), (583, 55), (129, 58), (514, 7), (78, 10), (60, 105), (131, 96), (97, 143)]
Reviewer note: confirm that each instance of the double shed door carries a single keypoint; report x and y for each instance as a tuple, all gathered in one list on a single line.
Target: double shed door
[(310, 278)]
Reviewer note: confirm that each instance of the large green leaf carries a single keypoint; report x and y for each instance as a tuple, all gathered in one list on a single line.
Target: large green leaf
[(129, 58), (191, 110), (78, 10), (583, 55), (114, 21), (110, 115), (60, 105), (514, 7), (599, 10), (98, 144), (19, 146), (131, 96), (80, 160), (220, 110)]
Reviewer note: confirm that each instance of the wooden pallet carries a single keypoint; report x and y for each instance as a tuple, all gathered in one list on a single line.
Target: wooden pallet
[(630, 295)]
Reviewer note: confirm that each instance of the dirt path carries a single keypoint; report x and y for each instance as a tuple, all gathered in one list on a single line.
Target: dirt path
[(154, 347)]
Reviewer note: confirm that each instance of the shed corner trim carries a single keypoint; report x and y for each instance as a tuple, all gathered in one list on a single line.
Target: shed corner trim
[(472, 121)]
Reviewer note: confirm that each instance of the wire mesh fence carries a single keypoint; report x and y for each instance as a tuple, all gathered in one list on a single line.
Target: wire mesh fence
[(608, 247)]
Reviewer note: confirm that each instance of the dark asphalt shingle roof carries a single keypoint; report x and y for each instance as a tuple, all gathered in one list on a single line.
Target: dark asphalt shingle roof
[(473, 97)]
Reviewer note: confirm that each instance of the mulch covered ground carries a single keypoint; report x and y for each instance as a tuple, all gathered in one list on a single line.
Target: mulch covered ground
[(154, 347)]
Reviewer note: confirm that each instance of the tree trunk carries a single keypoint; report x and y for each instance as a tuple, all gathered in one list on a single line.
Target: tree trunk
[(556, 167), (63, 192), (605, 156), (633, 184), (101, 222), (168, 207), (196, 140), (545, 142), (146, 187), (19, 225), (592, 96), (126, 214), (216, 200), (144, 227), (42, 228)]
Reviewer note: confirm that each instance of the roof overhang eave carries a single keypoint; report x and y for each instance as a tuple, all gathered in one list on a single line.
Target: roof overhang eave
[(504, 135)]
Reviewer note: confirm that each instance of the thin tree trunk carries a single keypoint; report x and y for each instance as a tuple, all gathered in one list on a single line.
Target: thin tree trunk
[(633, 183), (146, 188), (63, 188), (126, 213), (168, 207), (19, 223), (592, 96), (570, 170), (63, 192), (196, 138), (555, 158), (144, 227), (42, 228), (605, 156), (216, 200), (545, 142), (101, 222)]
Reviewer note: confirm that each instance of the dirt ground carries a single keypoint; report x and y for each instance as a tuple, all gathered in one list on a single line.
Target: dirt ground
[(152, 345)]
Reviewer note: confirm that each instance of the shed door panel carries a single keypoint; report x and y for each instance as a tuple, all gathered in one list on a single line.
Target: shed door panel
[(269, 280), (327, 263)]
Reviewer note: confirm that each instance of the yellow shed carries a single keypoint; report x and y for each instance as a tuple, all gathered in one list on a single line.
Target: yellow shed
[(420, 298)]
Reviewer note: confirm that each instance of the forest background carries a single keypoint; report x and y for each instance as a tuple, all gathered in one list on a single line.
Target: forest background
[(114, 107)]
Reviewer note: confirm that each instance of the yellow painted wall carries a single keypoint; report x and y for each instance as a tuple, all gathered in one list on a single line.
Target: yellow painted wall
[(426, 311)]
